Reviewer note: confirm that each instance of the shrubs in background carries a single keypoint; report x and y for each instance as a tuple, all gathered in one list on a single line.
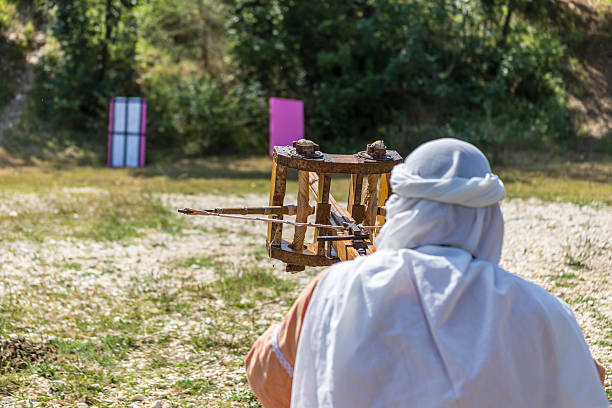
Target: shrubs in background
[(90, 59), (204, 116), (195, 100), (489, 71), (408, 71), (11, 53)]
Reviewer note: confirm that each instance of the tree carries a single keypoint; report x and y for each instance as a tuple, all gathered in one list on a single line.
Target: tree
[(97, 42), (366, 69)]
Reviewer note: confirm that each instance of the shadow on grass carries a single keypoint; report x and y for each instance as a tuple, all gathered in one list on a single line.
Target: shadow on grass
[(214, 167), (67, 151), (21, 146), (526, 167)]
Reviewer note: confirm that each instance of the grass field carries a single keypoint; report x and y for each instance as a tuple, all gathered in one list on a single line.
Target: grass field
[(109, 298)]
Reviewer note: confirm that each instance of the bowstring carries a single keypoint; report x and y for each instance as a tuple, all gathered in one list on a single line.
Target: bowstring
[(277, 221)]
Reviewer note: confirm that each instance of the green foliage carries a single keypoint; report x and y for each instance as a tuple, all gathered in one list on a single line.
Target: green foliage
[(93, 60), (182, 56), (11, 54), (183, 35), (204, 115), (8, 11), (372, 68), (11, 63), (488, 71)]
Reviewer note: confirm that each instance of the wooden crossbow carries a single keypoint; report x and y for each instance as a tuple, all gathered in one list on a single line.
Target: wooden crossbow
[(340, 233)]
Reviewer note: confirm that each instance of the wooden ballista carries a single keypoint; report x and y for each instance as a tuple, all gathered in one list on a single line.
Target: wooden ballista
[(340, 233)]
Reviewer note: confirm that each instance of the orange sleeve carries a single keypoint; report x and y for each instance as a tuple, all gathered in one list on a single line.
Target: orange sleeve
[(270, 382), (601, 370)]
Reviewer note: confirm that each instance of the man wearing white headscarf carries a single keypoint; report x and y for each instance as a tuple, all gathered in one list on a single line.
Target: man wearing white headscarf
[(430, 319)]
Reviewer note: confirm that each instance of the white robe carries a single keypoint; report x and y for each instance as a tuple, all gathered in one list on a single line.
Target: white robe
[(436, 328), (430, 320)]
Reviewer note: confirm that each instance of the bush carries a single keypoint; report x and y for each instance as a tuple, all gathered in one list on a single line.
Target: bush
[(12, 58), (205, 116), (90, 60), (370, 69), (8, 11), (400, 70)]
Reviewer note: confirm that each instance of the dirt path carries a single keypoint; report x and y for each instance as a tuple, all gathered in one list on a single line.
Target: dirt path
[(13, 110), (595, 54)]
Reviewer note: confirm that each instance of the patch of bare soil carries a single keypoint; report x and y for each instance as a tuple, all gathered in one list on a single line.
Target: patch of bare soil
[(17, 353), (595, 54)]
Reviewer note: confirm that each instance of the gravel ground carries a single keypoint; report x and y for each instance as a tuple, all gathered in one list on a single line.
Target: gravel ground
[(67, 285)]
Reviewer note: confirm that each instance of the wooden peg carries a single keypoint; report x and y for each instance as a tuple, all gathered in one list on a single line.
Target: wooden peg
[(302, 211), (355, 207), (371, 200), (323, 208), (294, 268), (384, 189), (278, 185)]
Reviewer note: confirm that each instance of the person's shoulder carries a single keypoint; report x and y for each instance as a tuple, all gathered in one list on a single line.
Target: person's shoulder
[(514, 279), (543, 297), (378, 260), (363, 265)]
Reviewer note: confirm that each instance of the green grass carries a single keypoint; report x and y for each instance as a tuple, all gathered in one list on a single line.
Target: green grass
[(556, 178), (90, 354), (73, 265), (193, 387), (250, 285), (564, 280), (524, 175), (204, 262), (179, 331), (111, 217), (246, 397)]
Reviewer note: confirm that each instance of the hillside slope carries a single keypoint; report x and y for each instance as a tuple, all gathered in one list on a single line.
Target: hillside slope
[(586, 26), (594, 99)]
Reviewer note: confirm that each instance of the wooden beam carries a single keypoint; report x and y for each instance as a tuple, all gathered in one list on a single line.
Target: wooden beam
[(303, 210), (371, 200), (384, 190), (323, 208), (278, 185), (354, 205), (343, 249)]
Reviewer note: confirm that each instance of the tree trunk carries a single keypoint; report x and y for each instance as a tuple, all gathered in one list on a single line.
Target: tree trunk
[(108, 32), (204, 36), (506, 28)]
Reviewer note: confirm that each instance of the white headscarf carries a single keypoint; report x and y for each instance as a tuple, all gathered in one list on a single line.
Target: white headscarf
[(445, 194), (430, 320)]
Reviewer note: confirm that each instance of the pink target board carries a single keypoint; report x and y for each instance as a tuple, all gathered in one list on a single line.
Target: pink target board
[(286, 122)]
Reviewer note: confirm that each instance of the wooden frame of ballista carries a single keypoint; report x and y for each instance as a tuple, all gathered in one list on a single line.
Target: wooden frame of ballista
[(340, 233)]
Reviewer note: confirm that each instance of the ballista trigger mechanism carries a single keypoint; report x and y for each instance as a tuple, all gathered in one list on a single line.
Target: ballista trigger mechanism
[(340, 233)]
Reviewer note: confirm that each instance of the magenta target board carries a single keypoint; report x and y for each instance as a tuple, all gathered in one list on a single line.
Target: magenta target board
[(286, 122), (126, 132)]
